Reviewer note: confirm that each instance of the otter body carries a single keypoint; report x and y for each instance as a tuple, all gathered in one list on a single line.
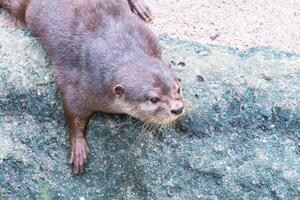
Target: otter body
[(105, 59), (88, 40)]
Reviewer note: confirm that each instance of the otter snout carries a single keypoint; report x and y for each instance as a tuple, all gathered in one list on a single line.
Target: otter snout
[(177, 111), (177, 107)]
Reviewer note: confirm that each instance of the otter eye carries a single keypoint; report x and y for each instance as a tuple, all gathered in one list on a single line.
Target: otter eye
[(155, 99)]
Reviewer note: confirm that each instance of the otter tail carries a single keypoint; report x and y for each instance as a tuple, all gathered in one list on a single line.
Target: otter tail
[(16, 7)]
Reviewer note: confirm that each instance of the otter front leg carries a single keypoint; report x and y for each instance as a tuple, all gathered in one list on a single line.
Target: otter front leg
[(79, 147), (141, 9)]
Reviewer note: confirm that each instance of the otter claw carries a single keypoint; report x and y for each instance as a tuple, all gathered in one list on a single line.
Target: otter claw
[(141, 9), (79, 155)]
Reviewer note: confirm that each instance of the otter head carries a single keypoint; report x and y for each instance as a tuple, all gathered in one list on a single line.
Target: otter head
[(149, 93)]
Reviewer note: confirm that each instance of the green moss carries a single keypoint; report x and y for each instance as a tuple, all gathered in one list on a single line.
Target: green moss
[(44, 192)]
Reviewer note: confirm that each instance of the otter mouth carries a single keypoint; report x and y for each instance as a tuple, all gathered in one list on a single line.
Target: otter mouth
[(153, 118)]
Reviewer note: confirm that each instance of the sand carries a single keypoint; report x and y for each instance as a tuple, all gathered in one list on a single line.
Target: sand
[(235, 23), (241, 24)]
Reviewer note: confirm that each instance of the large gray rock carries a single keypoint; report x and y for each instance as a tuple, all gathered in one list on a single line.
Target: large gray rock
[(240, 139)]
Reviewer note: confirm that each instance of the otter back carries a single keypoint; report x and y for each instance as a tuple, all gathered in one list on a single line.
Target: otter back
[(69, 25)]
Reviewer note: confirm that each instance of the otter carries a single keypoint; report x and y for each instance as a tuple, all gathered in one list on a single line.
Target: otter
[(105, 58)]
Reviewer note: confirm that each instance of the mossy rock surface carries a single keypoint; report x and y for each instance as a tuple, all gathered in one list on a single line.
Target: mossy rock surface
[(239, 140)]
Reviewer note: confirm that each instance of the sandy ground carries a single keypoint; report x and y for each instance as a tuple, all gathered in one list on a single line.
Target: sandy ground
[(235, 23)]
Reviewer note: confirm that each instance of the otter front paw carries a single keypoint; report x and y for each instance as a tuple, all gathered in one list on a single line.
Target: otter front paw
[(79, 154), (141, 9)]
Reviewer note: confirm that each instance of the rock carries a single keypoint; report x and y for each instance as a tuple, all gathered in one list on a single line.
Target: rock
[(240, 139), (214, 37), (182, 64), (200, 78)]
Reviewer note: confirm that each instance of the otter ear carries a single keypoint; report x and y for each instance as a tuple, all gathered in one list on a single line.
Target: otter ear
[(118, 90)]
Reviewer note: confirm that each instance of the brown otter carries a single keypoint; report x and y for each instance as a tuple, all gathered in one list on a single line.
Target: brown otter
[(105, 59)]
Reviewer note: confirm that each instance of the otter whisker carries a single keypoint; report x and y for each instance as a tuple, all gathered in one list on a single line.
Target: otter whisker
[(128, 121), (137, 127), (154, 124), (140, 134)]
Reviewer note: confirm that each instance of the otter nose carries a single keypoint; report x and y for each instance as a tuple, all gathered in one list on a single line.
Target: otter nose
[(177, 111)]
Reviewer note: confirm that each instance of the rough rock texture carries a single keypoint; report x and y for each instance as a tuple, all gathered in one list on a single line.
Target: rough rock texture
[(240, 140)]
